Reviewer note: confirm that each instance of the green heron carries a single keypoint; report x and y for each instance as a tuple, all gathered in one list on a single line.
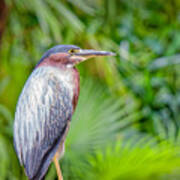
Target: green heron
[(45, 108)]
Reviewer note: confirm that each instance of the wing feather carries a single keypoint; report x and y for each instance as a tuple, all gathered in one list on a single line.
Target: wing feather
[(43, 109)]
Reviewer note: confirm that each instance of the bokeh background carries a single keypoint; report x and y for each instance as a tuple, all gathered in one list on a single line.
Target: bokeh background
[(126, 125)]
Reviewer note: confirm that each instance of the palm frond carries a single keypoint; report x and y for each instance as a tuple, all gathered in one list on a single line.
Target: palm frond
[(134, 160)]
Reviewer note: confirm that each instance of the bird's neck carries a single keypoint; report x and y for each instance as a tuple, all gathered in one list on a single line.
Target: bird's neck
[(70, 74), (77, 87)]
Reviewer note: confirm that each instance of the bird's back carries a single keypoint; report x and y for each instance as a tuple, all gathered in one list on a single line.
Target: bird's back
[(43, 110)]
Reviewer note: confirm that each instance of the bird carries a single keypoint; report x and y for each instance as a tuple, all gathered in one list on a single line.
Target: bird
[(45, 107)]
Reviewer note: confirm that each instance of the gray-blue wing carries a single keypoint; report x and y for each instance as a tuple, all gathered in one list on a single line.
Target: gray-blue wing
[(43, 109)]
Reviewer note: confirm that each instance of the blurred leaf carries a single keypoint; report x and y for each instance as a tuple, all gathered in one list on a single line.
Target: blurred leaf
[(5, 113), (73, 20), (164, 62), (139, 161)]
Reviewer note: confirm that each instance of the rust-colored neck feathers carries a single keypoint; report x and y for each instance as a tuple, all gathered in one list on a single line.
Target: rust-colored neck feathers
[(57, 60)]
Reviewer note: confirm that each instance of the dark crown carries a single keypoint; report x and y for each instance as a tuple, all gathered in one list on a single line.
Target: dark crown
[(57, 49)]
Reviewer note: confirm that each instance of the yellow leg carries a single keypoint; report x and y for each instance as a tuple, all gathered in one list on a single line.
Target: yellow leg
[(58, 169)]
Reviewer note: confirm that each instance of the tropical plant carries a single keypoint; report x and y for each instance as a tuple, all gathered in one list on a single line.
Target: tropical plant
[(142, 159)]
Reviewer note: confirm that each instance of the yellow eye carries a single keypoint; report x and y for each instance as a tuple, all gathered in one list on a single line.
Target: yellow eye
[(73, 51)]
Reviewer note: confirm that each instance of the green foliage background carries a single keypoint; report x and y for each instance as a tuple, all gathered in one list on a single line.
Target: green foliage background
[(126, 125)]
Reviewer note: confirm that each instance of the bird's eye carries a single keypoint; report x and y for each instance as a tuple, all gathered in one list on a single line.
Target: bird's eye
[(73, 51)]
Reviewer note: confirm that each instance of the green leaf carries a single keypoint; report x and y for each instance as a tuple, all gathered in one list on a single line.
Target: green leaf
[(164, 62)]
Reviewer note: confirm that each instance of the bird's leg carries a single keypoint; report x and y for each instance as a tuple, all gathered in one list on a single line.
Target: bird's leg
[(58, 169)]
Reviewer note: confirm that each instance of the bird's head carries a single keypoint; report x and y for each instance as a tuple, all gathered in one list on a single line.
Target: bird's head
[(70, 55)]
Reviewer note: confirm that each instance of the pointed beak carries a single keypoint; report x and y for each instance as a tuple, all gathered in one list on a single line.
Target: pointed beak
[(84, 54), (93, 53)]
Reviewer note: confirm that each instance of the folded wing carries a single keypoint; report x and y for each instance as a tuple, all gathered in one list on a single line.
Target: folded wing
[(42, 113)]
